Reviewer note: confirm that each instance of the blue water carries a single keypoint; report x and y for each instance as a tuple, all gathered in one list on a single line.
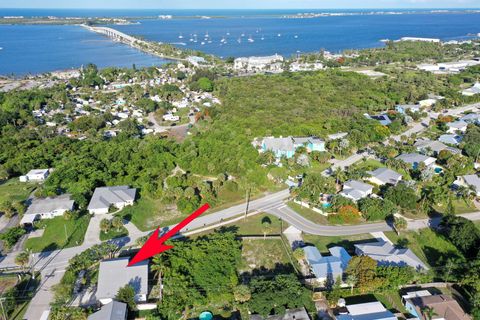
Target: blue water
[(37, 49), (34, 49)]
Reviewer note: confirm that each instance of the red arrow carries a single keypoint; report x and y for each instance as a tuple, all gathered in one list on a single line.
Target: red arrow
[(155, 245)]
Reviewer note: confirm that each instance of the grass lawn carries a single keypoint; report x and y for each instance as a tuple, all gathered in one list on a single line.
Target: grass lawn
[(13, 190), (308, 213), (369, 164), (147, 214), (460, 207), (263, 254), (54, 235), (428, 245), (323, 243), (7, 281), (113, 233)]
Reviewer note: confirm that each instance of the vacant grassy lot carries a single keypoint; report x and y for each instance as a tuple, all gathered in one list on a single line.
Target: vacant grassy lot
[(308, 213), (428, 245), (113, 233), (460, 207), (263, 254), (14, 190), (55, 237), (348, 242)]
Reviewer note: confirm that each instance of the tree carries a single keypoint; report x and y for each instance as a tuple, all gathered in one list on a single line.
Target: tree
[(205, 84), (242, 293), (351, 281), (376, 209), (266, 226), (117, 223), (299, 254), (11, 236), (127, 294), (363, 268), (22, 259), (428, 313), (400, 224), (402, 196), (105, 225)]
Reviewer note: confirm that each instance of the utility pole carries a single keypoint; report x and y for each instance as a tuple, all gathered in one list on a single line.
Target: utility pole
[(3, 310), (248, 202), (66, 236)]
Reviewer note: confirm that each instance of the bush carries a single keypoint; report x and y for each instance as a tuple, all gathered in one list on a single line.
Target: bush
[(11, 236)]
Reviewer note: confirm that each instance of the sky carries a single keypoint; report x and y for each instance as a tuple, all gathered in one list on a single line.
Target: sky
[(239, 4)]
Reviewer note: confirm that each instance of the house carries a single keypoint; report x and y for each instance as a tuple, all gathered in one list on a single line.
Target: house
[(403, 108), (106, 197), (337, 136), (47, 208), (35, 175), (383, 119), (196, 61), (170, 117), (382, 176), (366, 311), (290, 314), (327, 269), (426, 103), (469, 181), (356, 190), (414, 159), (444, 306), (253, 64), (417, 39), (452, 139), (114, 274), (475, 89), (111, 311), (430, 147), (387, 255), (471, 118), (457, 126), (285, 147)]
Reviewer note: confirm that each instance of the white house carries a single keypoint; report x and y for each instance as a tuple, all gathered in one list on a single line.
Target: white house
[(35, 175), (327, 269), (382, 176), (106, 197), (469, 181), (356, 190), (114, 274), (457, 126), (475, 89), (47, 208), (366, 311), (414, 159), (252, 64), (170, 117)]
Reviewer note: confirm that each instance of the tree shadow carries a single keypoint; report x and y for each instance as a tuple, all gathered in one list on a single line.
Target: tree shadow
[(48, 250), (437, 258), (278, 269)]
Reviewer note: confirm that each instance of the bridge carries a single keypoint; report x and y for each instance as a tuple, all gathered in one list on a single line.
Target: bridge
[(116, 35)]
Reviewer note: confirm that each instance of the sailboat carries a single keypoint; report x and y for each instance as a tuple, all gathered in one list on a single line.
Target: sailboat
[(239, 40), (262, 38), (295, 36), (180, 36), (250, 39)]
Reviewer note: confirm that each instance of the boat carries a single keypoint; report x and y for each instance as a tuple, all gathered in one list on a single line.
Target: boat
[(239, 40), (228, 33), (180, 36), (279, 35), (262, 38), (295, 36), (223, 40), (209, 41), (242, 35), (202, 43), (250, 39)]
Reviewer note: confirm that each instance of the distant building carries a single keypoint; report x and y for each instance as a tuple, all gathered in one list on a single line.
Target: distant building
[(259, 64), (475, 89), (383, 176), (452, 139), (337, 136), (47, 208), (415, 159), (286, 147), (196, 61), (457, 126), (305, 66), (383, 119), (290, 314), (170, 117), (366, 311), (386, 254), (444, 306), (35, 175), (114, 274), (356, 190), (471, 118), (417, 39), (469, 181), (428, 147), (106, 197), (111, 311), (327, 269), (403, 108)]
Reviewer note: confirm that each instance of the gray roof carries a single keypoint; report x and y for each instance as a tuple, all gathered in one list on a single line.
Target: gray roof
[(413, 158), (450, 139), (471, 117), (457, 124), (46, 205), (472, 180), (386, 175), (357, 185), (325, 267), (279, 144), (106, 196), (435, 146), (386, 254), (304, 140), (408, 106), (367, 311), (111, 311), (114, 274)]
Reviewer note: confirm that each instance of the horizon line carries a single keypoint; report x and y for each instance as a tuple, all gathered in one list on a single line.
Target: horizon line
[(218, 8)]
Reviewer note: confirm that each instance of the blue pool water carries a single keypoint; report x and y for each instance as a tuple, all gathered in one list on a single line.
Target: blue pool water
[(205, 316)]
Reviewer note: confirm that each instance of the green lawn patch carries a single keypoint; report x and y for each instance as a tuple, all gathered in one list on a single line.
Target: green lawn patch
[(113, 233), (308, 213), (347, 242), (460, 207), (428, 245), (263, 254), (54, 236), (13, 190), (7, 281)]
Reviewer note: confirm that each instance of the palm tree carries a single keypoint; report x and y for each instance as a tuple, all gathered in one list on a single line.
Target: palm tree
[(158, 268), (22, 259), (429, 313), (117, 223), (105, 225), (351, 281), (339, 175), (266, 226)]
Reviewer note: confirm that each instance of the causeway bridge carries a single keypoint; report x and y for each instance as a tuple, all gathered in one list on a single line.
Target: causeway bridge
[(116, 35)]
